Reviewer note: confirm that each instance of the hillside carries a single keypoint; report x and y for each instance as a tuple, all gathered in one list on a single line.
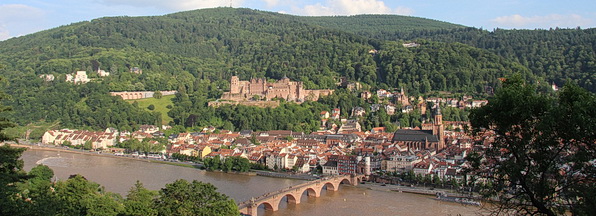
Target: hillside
[(160, 106), (376, 26), (196, 52), (553, 54)]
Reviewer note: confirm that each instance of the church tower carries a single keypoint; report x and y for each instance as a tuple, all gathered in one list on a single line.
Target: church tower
[(438, 128), (438, 116)]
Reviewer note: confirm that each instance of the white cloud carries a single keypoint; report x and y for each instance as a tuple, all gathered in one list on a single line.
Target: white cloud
[(271, 3), (4, 34), (351, 7), (175, 5), (548, 21), (19, 19), (18, 11), (404, 11)]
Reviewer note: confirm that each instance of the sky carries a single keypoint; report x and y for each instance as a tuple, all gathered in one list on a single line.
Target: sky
[(22, 17)]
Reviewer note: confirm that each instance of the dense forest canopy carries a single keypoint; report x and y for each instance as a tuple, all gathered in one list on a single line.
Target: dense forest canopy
[(196, 52), (372, 26), (553, 54)]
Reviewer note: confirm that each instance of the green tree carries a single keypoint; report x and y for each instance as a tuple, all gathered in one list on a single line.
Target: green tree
[(42, 172), (151, 107), (157, 95), (227, 165), (11, 172), (139, 201), (542, 158), (77, 196), (196, 198), (88, 145), (103, 205), (39, 189), (11, 169)]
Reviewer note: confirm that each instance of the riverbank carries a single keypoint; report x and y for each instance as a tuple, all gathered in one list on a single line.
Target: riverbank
[(109, 155), (237, 173), (414, 190), (149, 160)]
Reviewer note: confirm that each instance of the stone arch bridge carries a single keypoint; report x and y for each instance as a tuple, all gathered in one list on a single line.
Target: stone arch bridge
[(294, 193)]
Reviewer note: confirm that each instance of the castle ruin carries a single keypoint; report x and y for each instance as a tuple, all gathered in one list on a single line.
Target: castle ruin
[(260, 89)]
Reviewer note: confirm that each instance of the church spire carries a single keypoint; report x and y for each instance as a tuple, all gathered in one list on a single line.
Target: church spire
[(438, 110)]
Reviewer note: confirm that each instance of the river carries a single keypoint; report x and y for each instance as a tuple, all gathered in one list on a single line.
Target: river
[(119, 175)]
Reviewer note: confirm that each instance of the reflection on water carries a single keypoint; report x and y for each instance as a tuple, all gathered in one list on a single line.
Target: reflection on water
[(118, 175)]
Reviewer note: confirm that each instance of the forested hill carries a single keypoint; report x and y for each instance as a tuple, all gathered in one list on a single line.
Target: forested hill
[(209, 44), (375, 26), (198, 51), (554, 54)]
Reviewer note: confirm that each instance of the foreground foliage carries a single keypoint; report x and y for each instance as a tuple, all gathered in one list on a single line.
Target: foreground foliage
[(542, 158), (35, 193)]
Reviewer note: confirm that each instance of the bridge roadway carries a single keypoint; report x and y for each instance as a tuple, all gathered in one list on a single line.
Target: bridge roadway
[(314, 188)]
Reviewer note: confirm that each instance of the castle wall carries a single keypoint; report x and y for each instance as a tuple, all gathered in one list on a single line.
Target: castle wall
[(284, 88), (139, 94)]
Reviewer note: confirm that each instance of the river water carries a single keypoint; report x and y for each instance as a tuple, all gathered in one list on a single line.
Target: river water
[(119, 175)]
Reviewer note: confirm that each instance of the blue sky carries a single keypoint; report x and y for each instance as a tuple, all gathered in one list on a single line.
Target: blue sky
[(21, 17)]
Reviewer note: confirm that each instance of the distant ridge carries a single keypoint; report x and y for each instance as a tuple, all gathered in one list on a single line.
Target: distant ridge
[(372, 24)]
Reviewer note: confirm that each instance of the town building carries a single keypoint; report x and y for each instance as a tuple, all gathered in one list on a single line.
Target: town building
[(80, 77), (136, 70), (47, 77), (347, 164), (430, 137), (400, 163), (102, 73), (98, 140)]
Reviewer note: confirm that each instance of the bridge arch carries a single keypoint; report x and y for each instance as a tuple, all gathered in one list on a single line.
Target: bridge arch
[(330, 186), (345, 181), (268, 206), (311, 192), (291, 198)]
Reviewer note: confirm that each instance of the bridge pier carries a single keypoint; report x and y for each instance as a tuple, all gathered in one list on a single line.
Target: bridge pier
[(250, 210), (295, 200)]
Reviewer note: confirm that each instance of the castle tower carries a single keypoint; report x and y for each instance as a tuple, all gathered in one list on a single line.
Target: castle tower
[(285, 79), (234, 85), (300, 92)]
